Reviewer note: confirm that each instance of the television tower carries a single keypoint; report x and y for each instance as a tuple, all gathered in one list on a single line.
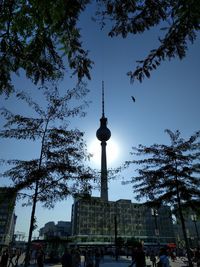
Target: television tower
[(103, 134)]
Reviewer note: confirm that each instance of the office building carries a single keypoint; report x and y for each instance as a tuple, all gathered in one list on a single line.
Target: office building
[(7, 217), (62, 229), (101, 222)]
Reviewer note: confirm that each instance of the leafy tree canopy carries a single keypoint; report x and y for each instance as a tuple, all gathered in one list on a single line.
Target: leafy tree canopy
[(168, 173), (133, 242), (59, 170), (35, 35), (180, 22)]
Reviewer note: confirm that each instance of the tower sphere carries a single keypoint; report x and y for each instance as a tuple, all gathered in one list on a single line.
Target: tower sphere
[(103, 133)]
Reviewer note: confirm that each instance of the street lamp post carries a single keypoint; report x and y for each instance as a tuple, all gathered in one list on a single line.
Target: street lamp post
[(116, 245), (116, 231), (194, 219), (154, 213)]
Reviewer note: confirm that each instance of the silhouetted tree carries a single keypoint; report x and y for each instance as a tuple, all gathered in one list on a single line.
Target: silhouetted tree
[(132, 242), (179, 22), (169, 174), (120, 242), (35, 35), (59, 170)]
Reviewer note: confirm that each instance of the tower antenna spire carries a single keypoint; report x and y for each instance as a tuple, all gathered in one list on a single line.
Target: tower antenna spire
[(103, 99)]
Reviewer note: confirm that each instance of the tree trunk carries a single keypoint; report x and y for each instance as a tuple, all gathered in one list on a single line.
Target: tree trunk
[(185, 237), (27, 256), (31, 228), (183, 222)]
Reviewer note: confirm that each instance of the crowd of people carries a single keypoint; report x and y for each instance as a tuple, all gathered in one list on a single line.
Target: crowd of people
[(92, 256), (10, 258), (162, 258), (72, 258)]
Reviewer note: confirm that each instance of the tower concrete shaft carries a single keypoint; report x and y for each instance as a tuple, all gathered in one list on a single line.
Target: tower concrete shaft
[(103, 134), (104, 174)]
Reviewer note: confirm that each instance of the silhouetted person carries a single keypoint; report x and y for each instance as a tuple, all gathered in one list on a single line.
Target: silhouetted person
[(4, 259), (102, 254), (97, 257), (140, 257), (40, 258), (76, 257), (89, 260), (18, 254), (66, 259), (197, 257), (153, 258), (163, 256), (133, 253)]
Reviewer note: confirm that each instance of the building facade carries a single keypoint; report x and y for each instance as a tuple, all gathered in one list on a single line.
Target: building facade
[(61, 229), (97, 221), (7, 217), (192, 225)]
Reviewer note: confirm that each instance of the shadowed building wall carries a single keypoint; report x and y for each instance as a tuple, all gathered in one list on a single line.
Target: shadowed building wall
[(93, 220), (7, 216)]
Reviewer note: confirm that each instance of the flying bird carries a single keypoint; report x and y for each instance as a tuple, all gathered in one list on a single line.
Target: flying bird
[(133, 98)]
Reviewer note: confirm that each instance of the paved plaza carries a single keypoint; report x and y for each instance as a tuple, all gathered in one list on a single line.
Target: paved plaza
[(124, 262), (109, 261)]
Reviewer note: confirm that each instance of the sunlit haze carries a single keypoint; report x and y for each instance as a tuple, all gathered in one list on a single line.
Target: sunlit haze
[(112, 152)]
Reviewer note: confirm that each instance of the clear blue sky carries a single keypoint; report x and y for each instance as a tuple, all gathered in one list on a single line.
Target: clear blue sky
[(169, 99)]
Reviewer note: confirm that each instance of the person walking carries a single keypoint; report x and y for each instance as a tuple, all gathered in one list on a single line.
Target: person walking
[(97, 257), (76, 257), (18, 254), (66, 259), (163, 258), (89, 259), (40, 258), (133, 253), (4, 259), (153, 258), (140, 260), (197, 257)]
